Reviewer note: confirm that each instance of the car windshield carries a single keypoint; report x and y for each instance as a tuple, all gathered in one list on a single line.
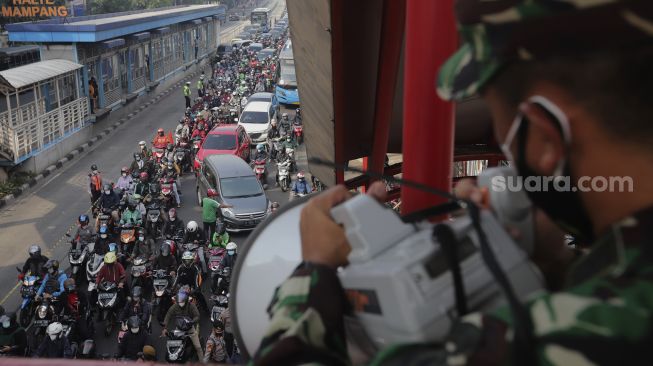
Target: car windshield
[(254, 117), (261, 98), (220, 142), (240, 187), (263, 54)]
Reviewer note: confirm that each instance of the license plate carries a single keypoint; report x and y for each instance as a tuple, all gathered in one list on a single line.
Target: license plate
[(105, 296), (41, 323), (160, 282), (175, 343)]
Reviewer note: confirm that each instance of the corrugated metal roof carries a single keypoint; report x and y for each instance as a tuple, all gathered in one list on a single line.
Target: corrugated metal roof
[(22, 76)]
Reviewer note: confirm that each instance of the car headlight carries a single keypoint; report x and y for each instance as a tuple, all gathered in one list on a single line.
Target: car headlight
[(228, 212)]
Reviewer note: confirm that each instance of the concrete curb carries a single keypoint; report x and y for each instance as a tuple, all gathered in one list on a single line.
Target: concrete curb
[(10, 198)]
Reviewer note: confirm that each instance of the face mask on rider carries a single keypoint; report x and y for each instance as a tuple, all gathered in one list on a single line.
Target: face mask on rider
[(107, 192), (124, 174), (53, 336), (231, 252), (103, 236), (141, 238), (51, 271), (5, 321), (181, 304), (135, 330)]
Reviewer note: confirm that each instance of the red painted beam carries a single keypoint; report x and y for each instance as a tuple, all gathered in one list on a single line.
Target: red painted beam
[(391, 41), (428, 123)]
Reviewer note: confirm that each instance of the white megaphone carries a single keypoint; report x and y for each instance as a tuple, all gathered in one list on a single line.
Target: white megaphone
[(393, 261)]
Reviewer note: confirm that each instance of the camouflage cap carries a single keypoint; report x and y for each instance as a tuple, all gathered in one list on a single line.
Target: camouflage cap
[(494, 33)]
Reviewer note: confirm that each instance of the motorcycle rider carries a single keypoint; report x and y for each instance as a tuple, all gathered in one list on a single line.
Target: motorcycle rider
[(173, 225), (216, 350), (300, 186), (124, 183), (166, 261), (137, 306), (181, 131), (143, 247), (110, 201), (84, 232), (142, 188), (273, 134), (13, 338), (113, 271), (274, 206), (94, 185), (35, 264), (193, 235), (261, 154), (139, 205), (133, 341), (131, 215), (199, 131), (55, 345), (146, 153), (285, 124), (76, 305), (188, 273), (229, 260), (220, 237), (183, 307), (102, 242), (139, 164), (161, 140), (53, 282)]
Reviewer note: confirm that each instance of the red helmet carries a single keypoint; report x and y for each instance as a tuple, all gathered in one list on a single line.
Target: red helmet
[(144, 176), (124, 169), (211, 193), (160, 130)]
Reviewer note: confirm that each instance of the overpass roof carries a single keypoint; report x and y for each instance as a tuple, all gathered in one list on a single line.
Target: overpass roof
[(101, 27)]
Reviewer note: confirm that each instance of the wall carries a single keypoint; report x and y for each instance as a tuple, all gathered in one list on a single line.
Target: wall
[(58, 51), (57, 152)]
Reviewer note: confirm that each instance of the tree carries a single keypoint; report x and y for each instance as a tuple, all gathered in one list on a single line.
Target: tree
[(110, 6)]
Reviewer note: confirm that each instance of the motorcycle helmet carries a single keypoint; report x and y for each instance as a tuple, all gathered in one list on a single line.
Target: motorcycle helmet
[(154, 189), (182, 297), (144, 176), (131, 205), (164, 161), (172, 214), (298, 111), (191, 227), (34, 251), (188, 83), (103, 231), (232, 248), (134, 324), (54, 330), (169, 147), (52, 266), (160, 131), (260, 148), (137, 156), (137, 292), (188, 258), (7, 320), (69, 284), (170, 165), (165, 250), (94, 168), (110, 257), (124, 171), (107, 189), (113, 247), (218, 326), (284, 116), (142, 144), (181, 121), (274, 206), (135, 174)]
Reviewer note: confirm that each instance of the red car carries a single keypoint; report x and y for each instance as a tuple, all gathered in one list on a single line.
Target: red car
[(225, 139)]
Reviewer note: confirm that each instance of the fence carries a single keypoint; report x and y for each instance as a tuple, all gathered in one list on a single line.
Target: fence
[(26, 133)]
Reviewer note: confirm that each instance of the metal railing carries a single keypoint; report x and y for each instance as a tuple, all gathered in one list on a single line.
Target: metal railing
[(20, 138)]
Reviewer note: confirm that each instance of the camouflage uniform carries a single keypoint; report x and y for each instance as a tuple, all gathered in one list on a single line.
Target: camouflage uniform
[(603, 316)]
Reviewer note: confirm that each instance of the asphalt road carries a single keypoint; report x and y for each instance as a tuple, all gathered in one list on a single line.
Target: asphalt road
[(50, 211)]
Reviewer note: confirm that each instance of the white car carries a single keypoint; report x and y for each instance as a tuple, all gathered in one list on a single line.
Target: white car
[(256, 118)]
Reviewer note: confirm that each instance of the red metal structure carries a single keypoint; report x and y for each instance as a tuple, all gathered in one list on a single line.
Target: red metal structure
[(428, 126)]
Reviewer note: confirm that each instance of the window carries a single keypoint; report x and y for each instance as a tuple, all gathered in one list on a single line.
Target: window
[(210, 177), (240, 187), (254, 117), (220, 142), (271, 111)]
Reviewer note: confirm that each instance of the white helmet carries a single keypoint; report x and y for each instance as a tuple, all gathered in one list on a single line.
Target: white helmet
[(232, 246), (192, 226), (142, 143), (187, 255), (54, 330)]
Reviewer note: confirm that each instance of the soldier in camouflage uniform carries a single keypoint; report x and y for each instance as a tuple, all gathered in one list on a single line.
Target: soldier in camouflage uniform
[(592, 60)]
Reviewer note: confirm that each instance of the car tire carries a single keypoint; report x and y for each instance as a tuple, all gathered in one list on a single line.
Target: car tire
[(199, 197)]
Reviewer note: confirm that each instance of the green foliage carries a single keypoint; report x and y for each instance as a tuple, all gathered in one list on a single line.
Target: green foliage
[(14, 182)]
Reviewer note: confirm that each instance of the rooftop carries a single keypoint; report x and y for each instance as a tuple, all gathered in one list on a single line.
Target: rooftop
[(97, 28)]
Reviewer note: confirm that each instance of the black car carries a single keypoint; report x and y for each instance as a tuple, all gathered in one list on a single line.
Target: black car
[(223, 49), (236, 184), (234, 17)]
